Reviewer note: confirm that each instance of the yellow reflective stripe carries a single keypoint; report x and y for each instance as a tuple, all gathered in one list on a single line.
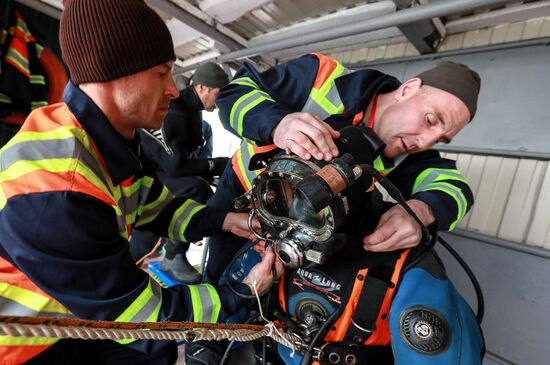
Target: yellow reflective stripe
[(58, 133), (53, 165), (146, 307), (432, 175), (3, 199), (456, 194), (5, 99), (243, 170), (196, 302), (149, 212), (243, 106), (38, 104), (62, 133), (245, 81), (181, 219), (14, 56), (379, 165), (134, 196), (38, 80), (31, 300), (216, 303), (26, 341), (320, 95), (39, 49), (206, 303)]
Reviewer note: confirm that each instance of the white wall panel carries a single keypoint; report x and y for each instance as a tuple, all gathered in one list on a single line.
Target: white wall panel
[(474, 174), (538, 232), (491, 197), (520, 205)]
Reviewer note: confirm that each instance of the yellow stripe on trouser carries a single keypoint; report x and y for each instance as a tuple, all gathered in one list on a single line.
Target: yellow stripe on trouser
[(206, 303)]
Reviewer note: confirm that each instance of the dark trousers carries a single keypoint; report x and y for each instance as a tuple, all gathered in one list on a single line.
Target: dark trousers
[(222, 247), (191, 187)]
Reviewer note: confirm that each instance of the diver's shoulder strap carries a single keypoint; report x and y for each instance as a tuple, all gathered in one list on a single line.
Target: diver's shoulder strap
[(370, 300)]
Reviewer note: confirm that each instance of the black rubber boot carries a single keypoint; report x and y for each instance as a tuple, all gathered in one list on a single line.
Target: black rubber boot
[(175, 262), (181, 269)]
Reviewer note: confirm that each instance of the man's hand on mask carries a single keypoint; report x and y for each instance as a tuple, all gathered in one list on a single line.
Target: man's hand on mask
[(237, 223), (261, 275), (397, 229), (306, 135)]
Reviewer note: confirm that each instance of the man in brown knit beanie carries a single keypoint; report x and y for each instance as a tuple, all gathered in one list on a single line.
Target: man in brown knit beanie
[(73, 185)]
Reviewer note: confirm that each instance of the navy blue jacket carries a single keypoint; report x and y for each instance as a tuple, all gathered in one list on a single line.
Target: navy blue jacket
[(69, 243), (285, 88)]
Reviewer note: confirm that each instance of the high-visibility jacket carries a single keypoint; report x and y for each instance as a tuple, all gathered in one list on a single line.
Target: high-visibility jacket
[(71, 191), (22, 81), (254, 103)]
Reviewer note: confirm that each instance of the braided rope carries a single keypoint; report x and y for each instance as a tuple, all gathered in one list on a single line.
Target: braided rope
[(190, 335)]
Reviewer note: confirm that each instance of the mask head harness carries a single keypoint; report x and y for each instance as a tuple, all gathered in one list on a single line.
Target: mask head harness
[(300, 203)]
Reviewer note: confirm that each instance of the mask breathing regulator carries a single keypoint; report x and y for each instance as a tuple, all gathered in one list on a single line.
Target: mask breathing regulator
[(300, 203)]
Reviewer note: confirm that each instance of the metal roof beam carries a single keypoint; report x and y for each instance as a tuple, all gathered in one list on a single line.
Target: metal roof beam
[(423, 35), (370, 39), (356, 14), (406, 16), (196, 23), (512, 14), (42, 7), (205, 24)]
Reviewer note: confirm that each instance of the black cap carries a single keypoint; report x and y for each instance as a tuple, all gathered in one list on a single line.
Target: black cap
[(457, 79)]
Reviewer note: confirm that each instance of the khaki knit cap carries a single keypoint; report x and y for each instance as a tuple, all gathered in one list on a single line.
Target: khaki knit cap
[(457, 79), (211, 75), (103, 40)]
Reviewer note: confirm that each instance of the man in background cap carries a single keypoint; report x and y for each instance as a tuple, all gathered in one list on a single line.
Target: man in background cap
[(172, 148), (300, 106), (74, 184)]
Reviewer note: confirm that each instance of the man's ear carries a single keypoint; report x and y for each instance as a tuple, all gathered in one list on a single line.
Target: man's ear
[(408, 88), (200, 89)]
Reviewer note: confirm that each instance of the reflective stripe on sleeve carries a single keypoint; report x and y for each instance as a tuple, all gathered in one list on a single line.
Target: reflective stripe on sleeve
[(432, 175), (181, 219), (456, 194), (243, 105), (206, 303)]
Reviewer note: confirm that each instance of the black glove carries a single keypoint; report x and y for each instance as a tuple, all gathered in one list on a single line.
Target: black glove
[(204, 352), (219, 165)]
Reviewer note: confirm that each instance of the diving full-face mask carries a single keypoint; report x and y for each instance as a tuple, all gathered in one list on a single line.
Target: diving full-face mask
[(300, 202)]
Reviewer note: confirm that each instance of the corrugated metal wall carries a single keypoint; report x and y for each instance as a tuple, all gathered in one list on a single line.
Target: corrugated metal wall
[(512, 196), (506, 237), (535, 28)]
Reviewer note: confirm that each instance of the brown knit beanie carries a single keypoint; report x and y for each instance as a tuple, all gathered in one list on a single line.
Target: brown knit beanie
[(103, 40), (457, 79)]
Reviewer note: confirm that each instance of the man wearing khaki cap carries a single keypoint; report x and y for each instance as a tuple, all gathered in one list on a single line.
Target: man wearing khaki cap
[(384, 297)]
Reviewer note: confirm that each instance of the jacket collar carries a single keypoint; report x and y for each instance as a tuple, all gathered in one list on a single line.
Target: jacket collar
[(357, 88), (191, 99), (122, 157)]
